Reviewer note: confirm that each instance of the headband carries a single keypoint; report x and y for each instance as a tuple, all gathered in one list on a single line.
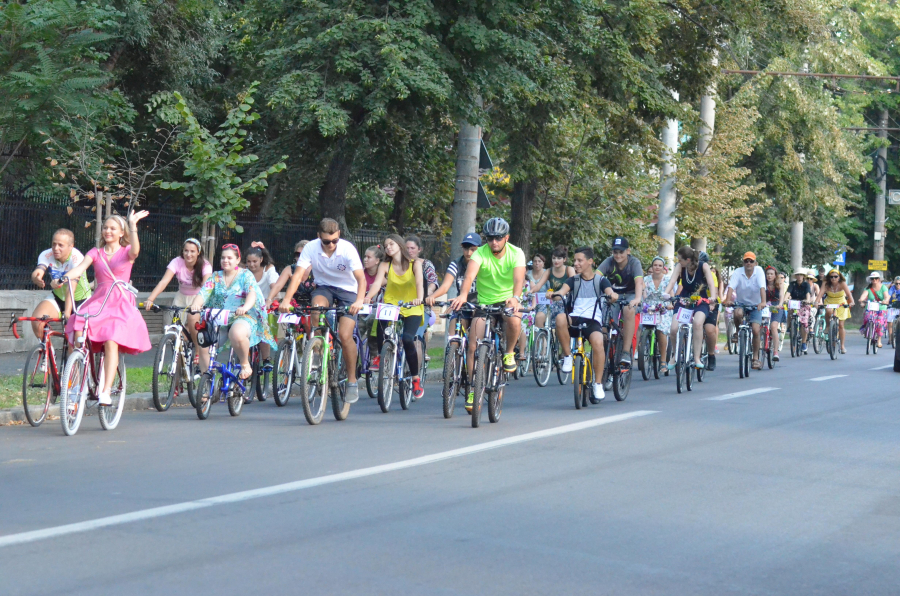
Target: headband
[(193, 241), (658, 258)]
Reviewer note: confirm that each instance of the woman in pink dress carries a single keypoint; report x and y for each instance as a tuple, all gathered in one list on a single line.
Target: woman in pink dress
[(120, 327)]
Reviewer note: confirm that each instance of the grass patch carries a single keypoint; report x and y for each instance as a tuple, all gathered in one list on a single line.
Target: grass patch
[(139, 381)]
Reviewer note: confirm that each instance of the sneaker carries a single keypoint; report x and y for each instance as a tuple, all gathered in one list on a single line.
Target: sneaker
[(376, 363), (266, 366), (599, 395), (104, 398), (43, 365), (607, 384), (567, 364), (470, 401), (803, 348), (711, 362), (625, 359), (352, 395), (418, 392), (509, 363), (776, 358)]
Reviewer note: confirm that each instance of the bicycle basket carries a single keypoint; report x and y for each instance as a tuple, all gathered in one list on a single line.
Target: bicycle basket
[(207, 332)]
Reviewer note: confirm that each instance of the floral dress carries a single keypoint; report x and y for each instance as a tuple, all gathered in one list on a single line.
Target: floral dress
[(218, 295), (653, 296)]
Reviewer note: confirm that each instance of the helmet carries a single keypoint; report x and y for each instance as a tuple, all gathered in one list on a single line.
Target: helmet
[(496, 226)]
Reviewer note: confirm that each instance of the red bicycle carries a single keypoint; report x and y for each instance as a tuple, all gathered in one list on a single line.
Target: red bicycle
[(40, 377)]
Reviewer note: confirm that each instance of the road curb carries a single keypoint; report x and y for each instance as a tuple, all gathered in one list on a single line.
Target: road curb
[(138, 401)]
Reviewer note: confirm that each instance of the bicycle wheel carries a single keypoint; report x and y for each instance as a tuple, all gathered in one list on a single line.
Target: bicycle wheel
[(495, 397), (577, 379), (237, 398), (704, 358), (644, 351), (386, 375), (622, 378), (313, 380), (37, 386), (483, 362), (254, 379), (680, 363), (818, 335), (111, 415), (688, 370), (405, 386), (207, 392), (166, 373), (263, 376), (283, 377), (188, 372), (540, 357), (73, 392), (339, 406), (794, 333), (833, 348), (742, 348), (729, 331), (561, 376), (655, 360), (452, 375)]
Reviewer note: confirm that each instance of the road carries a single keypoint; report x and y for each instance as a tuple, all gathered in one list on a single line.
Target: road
[(790, 490)]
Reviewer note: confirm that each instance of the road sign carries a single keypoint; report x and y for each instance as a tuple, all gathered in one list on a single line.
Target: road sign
[(877, 265), (840, 259), (894, 197)]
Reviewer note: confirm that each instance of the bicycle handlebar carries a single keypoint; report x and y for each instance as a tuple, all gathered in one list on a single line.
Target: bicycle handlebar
[(41, 319)]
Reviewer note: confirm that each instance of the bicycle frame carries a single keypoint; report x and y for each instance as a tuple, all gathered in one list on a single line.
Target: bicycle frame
[(46, 336)]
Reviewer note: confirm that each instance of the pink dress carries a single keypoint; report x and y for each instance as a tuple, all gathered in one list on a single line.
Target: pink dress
[(120, 320)]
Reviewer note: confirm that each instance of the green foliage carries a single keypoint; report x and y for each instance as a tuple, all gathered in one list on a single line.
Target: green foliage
[(213, 161)]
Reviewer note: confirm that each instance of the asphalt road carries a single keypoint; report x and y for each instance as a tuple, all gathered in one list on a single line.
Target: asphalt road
[(793, 490)]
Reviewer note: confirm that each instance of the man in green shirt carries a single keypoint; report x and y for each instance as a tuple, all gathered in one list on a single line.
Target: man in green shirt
[(499, 268)]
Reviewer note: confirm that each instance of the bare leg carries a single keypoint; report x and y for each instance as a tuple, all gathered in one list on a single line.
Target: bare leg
[(598, 356), (756, 327), (540, 319), (628, 316), (697, 339), (562, 334), (662, 342), (110, 365), (842, 335), (774, 331), (240, 341), (512, 327), (345, 332), (45, 308), (475, 334)]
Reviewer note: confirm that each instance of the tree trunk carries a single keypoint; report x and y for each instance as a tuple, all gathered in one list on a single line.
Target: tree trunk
[(333, 193), (522, 213), (98, 237), (266, 207), (465, 194), (398, 219), (665, 227)]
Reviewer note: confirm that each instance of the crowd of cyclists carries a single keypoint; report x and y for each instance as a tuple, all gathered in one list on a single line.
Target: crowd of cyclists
[(342, 318)]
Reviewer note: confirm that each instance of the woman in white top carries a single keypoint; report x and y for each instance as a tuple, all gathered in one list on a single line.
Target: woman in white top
[(654, 285), (260, 264)]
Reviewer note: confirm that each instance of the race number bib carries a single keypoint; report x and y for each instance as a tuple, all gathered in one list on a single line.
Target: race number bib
[(542, 299), (365, 309), (794, 304), (892, 313), (831, 306), (649, 319), (685, 315), (387, 312), (872, 305), (288, 318)]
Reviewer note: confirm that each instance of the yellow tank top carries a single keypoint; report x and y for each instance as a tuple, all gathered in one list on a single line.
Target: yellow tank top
[(835, 297), (402, 288)]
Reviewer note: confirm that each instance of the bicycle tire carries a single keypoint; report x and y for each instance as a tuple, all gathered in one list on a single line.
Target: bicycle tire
[(37, 385), (482, 364), (263, 378), (819, 335), (386, 376), (644, 351), (111, 415), (729, 332), (164, 360), (208, 387), (313, 382), (741, 347), (495, 397), (577, 379), (339, 406), (540, 358), (561, 376), (254, 379), (188, 373), (405, 386), (452, 376), (283, 377), (655, 360), (704, 358), (833, 339), (622, 377), (688, 350), (73, 389), (237, 398)]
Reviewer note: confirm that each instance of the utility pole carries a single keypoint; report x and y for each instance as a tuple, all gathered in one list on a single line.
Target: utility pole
[(707, 127), (665, 227), (881, 172), (465, 194), (796, 246)]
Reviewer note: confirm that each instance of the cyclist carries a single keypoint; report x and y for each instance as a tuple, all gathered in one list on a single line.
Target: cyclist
[(59, 259), (414, 246), (260, 263), (285, 276), (877, 292), (893, 295), (627, 278), (555, 277), (711, 325), (746, 287), (697, 283), (774, 297), (538, 262), (121, 328), (339, 282), (499, 268), (800, 289), (372, 258), (584, 308), (655, 284), (405, 283), (456, 272), (834, 290)]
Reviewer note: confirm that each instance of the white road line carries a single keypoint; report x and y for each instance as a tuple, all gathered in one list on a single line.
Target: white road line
[(882, 367), (741, 394), (828, 378), (125, 518)]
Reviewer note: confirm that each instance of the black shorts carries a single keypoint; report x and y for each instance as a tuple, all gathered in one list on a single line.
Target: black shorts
[(336, 297), (713, 317), (61, 304), (592, 327)]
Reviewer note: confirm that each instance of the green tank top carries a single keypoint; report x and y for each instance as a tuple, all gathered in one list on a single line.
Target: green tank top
[(556, 282)]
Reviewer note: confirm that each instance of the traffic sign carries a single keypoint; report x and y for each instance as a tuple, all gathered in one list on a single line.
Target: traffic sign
[(894, 197), (877, 265), (840, 259)]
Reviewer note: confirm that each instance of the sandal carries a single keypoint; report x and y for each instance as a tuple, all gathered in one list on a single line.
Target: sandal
[(756, 365)]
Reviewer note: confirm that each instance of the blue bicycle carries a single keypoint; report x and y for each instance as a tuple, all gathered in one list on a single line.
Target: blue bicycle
[(221, 379)]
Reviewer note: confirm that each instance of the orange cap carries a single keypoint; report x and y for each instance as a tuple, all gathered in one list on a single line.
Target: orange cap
[(750, 255)]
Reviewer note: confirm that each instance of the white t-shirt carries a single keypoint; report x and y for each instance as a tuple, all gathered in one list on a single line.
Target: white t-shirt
[(269, 277), (335, 271), (746, 289), (57, 270)]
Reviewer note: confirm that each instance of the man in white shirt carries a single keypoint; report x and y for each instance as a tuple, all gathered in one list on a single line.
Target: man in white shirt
[(338, 271), (746, 287)]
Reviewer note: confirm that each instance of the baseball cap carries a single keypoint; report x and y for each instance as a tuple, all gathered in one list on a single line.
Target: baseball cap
[(750, 255), (619, 243), (473, 239)]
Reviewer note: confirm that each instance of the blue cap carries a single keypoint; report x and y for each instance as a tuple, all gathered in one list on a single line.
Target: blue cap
[(473, 239)]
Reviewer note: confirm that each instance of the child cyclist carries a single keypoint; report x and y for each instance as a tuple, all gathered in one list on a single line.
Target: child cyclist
[(119, 326), (53, 264)]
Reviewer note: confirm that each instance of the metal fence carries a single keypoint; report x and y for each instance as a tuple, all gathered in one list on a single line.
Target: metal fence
[(28, 220)]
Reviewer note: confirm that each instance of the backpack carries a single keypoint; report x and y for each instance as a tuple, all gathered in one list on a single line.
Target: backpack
[(570, 298)]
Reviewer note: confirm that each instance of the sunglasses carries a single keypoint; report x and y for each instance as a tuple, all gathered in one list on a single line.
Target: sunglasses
[(297, 254), (328, 242), (749, 261), (494, 238), (834, 277), (233, 247)]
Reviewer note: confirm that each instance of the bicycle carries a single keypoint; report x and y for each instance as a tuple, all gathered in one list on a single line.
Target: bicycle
[(40, 377), (456, 366), (894, 319), (796, 328), (524, 361), (872, 327), (818, 335), (323, 370), (684, 344), (730, 330), (745, 341), (393, 366), (649, 358), (832, 337), (173, 362), (83, 375), (616, 374), (541, 353), (490, 377), (765, 335), (220, 378), (290, 350), (582, 370)]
